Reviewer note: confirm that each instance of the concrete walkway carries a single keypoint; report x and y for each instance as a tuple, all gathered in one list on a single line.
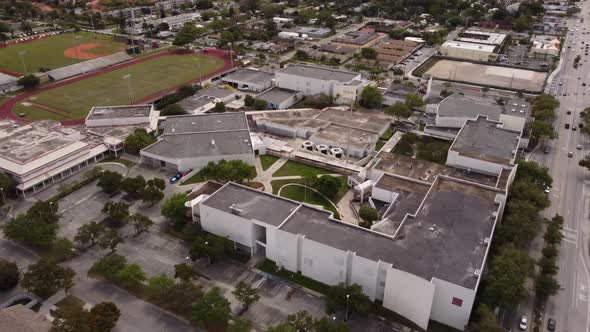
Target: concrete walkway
[(265, 177)]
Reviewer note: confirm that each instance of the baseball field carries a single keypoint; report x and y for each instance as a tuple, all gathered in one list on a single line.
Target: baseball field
[(123, 85), (56, 51)]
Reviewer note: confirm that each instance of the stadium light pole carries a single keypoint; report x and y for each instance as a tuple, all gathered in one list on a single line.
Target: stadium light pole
[(74, 39), (22, 57), (92, 22), (128, 78)]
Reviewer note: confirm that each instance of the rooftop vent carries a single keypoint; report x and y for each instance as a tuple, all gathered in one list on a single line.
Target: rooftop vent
[(477, 273), (487, 241), (213, 142), (235, 210)]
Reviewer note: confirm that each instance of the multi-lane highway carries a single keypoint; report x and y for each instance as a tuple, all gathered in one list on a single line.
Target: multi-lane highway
[(570, 195)]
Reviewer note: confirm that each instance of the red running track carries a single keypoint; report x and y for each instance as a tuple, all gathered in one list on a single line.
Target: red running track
[(6, 108)]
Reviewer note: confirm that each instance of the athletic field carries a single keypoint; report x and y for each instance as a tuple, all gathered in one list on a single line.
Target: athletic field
[(57, 51), (155, 75)]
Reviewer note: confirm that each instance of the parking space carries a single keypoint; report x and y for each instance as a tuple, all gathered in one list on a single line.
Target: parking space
[(417, 58), (518, 55)]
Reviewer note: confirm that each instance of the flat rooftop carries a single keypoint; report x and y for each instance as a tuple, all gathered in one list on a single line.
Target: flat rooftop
[(469, 46), (277, 95), (356, 38), (483, 37), (345, 136), (200, 123), (459, 105), (215, 92), (250, 75), (118, 112), (484, 140), (445, 240), (358, 120), (193, 102), (320, 73), (410, 194), (426, 171), (221, 143)]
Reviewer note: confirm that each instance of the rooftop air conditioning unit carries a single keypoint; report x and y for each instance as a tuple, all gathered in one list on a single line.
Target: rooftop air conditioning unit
[(487, 241), (477, 273)]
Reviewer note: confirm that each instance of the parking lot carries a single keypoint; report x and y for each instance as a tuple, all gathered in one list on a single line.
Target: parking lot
[(518, 55)]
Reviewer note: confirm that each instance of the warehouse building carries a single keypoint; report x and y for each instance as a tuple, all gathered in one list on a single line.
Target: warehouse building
[(127, 115), (191, 141), (279, 98), (249, 79), (41, 153), (482, 37), (358, 39), (345, 86), (469, 51), (429, 269)]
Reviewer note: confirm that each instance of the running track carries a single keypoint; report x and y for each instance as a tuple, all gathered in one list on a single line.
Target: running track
[(6, 108)]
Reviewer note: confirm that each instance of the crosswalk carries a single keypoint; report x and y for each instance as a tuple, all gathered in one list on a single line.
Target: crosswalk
[(570, 236)]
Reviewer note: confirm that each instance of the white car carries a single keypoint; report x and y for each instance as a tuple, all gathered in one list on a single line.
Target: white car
[(523, 323), (579, 146)]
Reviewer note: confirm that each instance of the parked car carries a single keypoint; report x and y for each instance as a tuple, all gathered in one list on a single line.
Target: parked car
[(570, 154), (567, 126), (547, 149), (174, 179), (579, 146), (551, 324)]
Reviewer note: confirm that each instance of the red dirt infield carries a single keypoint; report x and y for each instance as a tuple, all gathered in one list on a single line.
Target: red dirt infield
[(84, 51)]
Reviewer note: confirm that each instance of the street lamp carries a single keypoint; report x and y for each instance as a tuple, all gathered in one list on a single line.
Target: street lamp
[(128, 78), (74, 40), (22, 58), (3, 197), (347, 298), (51, 206), (208, 257)]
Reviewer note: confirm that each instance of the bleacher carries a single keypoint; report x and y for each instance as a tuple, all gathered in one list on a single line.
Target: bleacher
[(87, 66)]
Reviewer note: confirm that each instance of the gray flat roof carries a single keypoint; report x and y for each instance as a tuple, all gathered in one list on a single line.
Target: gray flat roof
[(484, 140), (320, 73), (277, 95), (250, 75), (117, 112), (214, 91), (445, 240), (211, 122), (356, 38), (459, 105), (357, 119), (411, 194), (222, 143), (254, 205), (194, 102)]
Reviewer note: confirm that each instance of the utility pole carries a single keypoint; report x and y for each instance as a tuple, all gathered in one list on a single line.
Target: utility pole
[(74, 40), (22, 57), (128, 78)]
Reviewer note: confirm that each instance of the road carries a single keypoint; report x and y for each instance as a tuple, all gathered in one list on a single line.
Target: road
[(570, 195)]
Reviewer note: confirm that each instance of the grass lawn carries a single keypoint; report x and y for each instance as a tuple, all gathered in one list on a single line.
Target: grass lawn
[(255, 185), (379, 145), (196, 178), (267, 161), (423, 147), (73, 101), (300, 194), (295, 168), (277, 184), (49, 52)]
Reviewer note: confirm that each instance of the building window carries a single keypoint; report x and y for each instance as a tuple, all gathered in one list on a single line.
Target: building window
[(457, 301)]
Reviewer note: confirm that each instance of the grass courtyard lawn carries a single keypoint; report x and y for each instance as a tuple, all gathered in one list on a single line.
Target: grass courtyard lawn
[(423, 147), (73, 101), (267, 161), (295, 168), (49, 52), (300, 194), (277, 184)]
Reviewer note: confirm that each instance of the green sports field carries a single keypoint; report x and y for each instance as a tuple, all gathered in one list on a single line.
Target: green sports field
[(73, 101), (49, 52)]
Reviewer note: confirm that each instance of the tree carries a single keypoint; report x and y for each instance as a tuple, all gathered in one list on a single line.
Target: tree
[(399, 110), (219, 107), (29, 82), (173, 109), (110, 182), (260, 104), (141, 223), (301, 55), (7, 184), (110, 266), (89, 233), (506, 277), (131, 276), (138, 141), (210, 246), (184, 272), (37, 227), (240, 325), (368, 53), (62, 249), (104, 316), (545, 286), (118, 212), (151, 194), (132, 186), (233, 170), (585, 162), (249, 101), (339, 295), (212, 309), (542, 131), (110, 240), (45, 278), (245, 294), (175, 211), (328, 186), (186, 35), (414, 101), (157, 182), (486, 321), (9, 275), (371, 97), (160, 284), (368, 215)]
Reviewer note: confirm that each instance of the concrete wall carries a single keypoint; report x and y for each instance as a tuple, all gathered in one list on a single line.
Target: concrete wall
[(409, 295), (309, 86), (346, 94), (384, 195), (486, 167), (194, 163), (225, 224), (323, 263), (245, 85), (450, 121), (117, 121), (468, 54), (444, 311)]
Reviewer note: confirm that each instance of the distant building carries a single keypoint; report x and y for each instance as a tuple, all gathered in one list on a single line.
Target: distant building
[(482, 37), (395, 51), (358, 39), (279, 98), (205, 99), (468, 51), (191, 141), (127, 115), (249, 79), (544, 47), (344, 86)]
